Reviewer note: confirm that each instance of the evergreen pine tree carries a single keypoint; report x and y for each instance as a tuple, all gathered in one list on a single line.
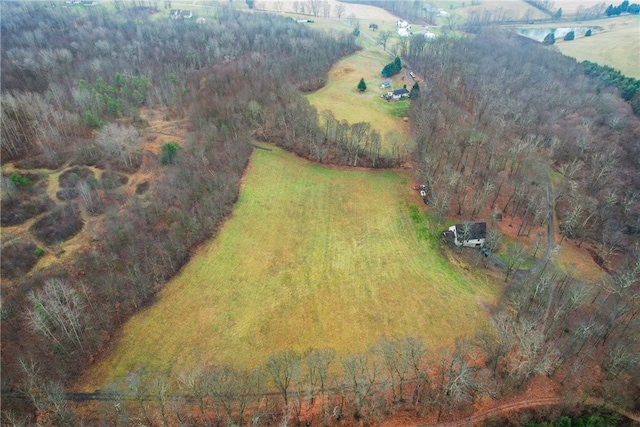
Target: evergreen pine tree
[(362, 86), (415, 91), (397, 64), (549, 39)]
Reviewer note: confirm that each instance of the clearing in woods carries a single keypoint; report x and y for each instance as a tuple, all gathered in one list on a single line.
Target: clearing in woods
[(341, 97), (312, 257)]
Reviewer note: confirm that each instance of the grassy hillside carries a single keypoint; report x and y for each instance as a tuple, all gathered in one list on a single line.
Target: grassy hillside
[(312, 257), (341, 96), (618, 47)]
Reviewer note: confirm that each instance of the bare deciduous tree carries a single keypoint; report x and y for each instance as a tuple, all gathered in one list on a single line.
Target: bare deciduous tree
[(362, 379), (283, 369), (120, 143), (58, 314)]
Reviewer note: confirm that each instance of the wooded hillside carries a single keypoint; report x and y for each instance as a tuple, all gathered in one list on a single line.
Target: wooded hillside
[(76, 84)]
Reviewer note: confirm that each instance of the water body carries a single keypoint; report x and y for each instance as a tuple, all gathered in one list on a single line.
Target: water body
[(538, 34)]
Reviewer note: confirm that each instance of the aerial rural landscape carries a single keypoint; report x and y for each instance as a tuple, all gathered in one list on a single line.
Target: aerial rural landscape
[(320, 212)]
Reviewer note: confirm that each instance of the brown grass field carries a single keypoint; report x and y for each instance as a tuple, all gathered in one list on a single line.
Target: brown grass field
[(311, 257)]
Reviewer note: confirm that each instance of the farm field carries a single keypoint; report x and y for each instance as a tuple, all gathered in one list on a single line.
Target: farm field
[(618, 46), (360, 11), (311, 257), (515, 9)]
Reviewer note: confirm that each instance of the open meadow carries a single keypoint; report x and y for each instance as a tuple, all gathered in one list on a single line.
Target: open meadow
[(618, 46), (311, 257), (341, 96)]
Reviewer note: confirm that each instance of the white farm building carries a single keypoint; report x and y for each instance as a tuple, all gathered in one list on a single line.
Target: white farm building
[(471, 235)]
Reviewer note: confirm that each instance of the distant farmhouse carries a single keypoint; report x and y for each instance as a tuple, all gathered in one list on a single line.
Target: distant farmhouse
[(404, 28), (82, 2), (469, 235), (396, 94), (176, 14)]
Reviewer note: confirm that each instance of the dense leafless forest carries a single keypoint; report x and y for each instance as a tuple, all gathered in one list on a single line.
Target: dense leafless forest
[(495, 121)]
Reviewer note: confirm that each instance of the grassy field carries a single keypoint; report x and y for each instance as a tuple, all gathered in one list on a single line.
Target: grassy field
[(514, 9), (618, 46), (341, 96), (311, 257)]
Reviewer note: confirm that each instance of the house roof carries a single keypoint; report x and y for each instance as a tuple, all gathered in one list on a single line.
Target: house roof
[(400, 91), (477, 230)]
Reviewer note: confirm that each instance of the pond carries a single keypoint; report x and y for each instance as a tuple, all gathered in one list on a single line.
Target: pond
[(538, 34)]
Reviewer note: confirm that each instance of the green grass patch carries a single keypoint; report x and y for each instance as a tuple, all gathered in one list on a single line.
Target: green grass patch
[(397, 108), (311, 257)]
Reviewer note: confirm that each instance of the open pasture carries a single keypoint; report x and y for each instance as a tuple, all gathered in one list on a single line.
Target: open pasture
[(311, 257), (618, 46), (341, 96), (509, 9), (297, 8)]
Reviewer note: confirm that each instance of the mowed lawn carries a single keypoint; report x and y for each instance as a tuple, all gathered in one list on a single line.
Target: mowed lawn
[(312, 257), (341, 96)]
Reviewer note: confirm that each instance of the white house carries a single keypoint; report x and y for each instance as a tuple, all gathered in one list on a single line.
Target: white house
[(469, 235), (429, 35), (396, 94)]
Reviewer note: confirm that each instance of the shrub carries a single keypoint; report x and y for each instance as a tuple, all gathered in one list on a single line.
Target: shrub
[(18, 257), (569, 36), (142, 187), (111, 180), (71, 177), (18, 211), (59, 225), (169, 153), (67, 194), (92, 120), (549, 39), (20, 181)]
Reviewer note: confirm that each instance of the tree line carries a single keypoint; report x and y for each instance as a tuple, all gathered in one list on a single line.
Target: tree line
[(628, 87), (623, 7), (548, 325)]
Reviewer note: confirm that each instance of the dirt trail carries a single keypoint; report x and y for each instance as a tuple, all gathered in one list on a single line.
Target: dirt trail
[(507, 408), (478, 418)]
